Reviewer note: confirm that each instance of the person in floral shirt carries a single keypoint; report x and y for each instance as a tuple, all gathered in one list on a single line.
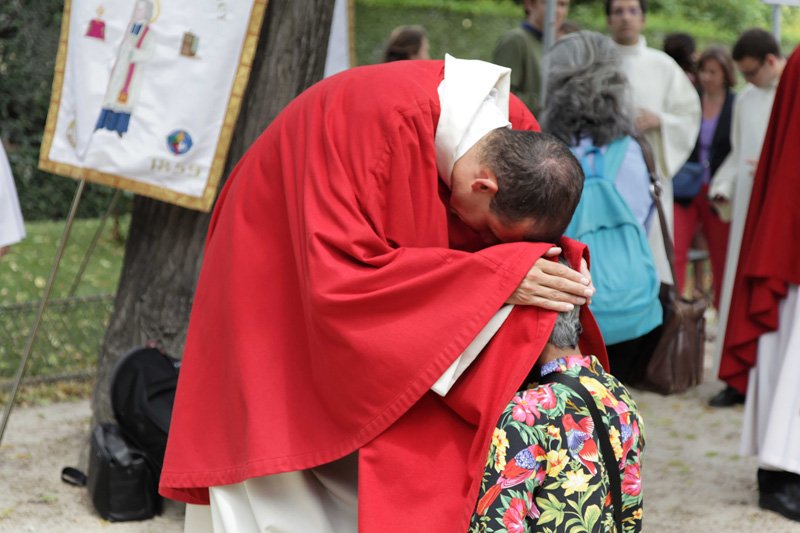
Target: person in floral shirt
[(544, 471)]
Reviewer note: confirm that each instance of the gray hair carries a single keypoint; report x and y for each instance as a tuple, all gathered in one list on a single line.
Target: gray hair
[(588, 94), (567, 331)]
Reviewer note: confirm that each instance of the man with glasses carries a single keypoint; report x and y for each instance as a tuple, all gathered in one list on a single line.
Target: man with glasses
[(667, 105), (758, 57)]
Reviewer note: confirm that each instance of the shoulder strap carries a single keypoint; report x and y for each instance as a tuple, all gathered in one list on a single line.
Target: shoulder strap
[(656, 190), (615, 155), (592, 162), (610, 460)]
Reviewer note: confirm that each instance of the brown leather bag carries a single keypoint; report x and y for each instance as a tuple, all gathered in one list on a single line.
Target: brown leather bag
[(676, 363)]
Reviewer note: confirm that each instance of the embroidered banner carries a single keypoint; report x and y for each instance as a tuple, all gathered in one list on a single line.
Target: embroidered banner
[(146, 94)]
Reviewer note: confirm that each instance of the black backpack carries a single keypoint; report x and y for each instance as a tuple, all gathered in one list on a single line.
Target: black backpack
[(143, 386)]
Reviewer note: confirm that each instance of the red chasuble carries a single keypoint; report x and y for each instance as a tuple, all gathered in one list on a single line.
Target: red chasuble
[(768, 259), (336, 289)]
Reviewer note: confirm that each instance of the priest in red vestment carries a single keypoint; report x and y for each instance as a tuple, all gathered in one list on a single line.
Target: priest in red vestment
[(366, 240), (762, 340)]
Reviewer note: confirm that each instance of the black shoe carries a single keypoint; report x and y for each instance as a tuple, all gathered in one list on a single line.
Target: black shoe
[(779, 492), (726, 398)]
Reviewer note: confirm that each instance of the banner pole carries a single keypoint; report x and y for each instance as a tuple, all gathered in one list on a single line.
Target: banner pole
[(90, 251), (549, 39), (42, 306)]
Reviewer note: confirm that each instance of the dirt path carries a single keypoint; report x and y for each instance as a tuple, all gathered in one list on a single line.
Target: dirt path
[(694, 479)]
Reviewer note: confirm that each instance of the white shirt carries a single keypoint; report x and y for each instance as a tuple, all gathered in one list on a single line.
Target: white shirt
[(660, 86)]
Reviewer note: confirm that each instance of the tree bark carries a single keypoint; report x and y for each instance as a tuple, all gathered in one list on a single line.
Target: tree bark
[(163, 253)]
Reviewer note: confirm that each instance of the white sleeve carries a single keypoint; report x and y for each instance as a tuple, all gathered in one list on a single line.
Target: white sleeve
[(680, 123), (12, 228), (451, 375)]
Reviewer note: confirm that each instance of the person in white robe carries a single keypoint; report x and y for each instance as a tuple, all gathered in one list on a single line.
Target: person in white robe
[(771, 422), (12, 227), (667, 104), (758, 58)]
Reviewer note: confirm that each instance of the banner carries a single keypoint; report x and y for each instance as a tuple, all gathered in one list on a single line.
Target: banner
[(146, 94)]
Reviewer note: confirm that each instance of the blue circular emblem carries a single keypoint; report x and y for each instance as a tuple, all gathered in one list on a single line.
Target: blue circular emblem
[(179, 142)]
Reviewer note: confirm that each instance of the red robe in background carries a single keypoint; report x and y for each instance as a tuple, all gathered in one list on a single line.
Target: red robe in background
[(768, 261), (335, 291)]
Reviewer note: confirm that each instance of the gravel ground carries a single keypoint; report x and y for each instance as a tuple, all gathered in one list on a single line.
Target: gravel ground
[(694, 479)]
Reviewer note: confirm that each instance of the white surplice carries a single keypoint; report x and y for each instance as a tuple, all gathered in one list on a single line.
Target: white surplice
[(771, 428), (661, 87), (12, 228), (734, 181)]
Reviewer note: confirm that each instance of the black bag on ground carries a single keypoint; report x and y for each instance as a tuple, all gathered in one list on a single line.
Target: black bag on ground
[(121, 481), (142, 393), (126, 458)]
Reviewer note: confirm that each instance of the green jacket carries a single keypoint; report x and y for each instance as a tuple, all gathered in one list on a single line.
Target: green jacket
[(521, 51)]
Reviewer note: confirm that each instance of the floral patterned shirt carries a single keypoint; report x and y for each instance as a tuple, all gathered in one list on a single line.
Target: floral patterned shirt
[(545, 471)]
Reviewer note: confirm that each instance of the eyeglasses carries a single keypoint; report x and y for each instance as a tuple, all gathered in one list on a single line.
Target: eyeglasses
[(621, 11), (753, 72)]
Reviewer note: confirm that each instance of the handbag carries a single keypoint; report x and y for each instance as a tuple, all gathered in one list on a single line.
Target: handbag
[(687, 181), (676, 363), (121, 481)]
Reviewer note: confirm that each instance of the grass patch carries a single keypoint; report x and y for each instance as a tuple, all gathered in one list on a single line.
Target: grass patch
[(24, 271), (72, 328), (47, 393)]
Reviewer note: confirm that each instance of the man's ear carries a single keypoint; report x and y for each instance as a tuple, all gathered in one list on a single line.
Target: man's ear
[(770, 59), (486, 182)]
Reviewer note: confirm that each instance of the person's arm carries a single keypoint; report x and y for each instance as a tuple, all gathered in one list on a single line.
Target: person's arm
[(548, 285), (633, 184), (517, 461)]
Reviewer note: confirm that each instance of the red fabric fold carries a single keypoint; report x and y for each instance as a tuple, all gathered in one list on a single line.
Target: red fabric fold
[(424, 472), (768, 259), (332, 295)]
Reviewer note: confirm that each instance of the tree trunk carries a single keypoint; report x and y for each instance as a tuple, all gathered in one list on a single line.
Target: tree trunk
[(165, 242)]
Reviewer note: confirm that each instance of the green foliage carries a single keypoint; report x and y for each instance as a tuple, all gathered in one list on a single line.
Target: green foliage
[(467, 28), (451, 29)]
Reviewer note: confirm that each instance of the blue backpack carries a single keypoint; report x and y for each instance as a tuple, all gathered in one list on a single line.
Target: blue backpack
[(626, 303)]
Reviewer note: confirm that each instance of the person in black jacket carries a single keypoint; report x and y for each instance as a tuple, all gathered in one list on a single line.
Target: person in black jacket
[(717, 76)]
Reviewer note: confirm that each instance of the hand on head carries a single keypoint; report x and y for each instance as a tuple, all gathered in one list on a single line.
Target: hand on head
[(554, 286)]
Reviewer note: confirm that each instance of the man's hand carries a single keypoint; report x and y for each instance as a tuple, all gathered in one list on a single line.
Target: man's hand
[(554, 286), (646, 121)]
